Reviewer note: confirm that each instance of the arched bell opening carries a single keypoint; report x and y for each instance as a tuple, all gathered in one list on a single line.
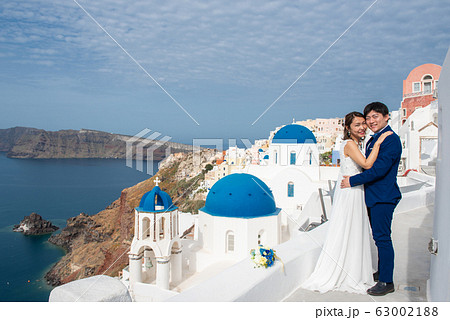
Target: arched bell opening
[(159, 203), (145, 230), (148, 266)]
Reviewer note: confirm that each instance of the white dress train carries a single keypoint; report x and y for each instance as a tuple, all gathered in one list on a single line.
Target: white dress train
[(345, 263)]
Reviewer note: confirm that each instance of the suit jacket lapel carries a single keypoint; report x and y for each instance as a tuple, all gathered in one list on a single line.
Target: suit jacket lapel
[(373, 139), (368, 145)]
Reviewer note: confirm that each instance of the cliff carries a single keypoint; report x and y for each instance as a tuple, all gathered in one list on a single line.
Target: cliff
[(21, 142), (99, 244)]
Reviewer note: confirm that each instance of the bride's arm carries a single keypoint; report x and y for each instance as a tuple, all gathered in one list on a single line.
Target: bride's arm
[(351, 150)]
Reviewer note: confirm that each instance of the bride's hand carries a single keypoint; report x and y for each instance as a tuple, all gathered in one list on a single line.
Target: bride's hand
[(383, 136)]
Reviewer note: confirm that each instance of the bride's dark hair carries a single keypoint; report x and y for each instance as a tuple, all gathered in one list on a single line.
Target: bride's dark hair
[(348, 121)]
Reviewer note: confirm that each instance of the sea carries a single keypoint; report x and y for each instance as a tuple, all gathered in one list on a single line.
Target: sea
[(56, 189)]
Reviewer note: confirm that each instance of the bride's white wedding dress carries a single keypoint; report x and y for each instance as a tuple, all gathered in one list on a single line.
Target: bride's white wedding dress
[(345, 263)]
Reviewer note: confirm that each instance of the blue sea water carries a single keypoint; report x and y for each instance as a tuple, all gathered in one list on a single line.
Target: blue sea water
[(57, 189)]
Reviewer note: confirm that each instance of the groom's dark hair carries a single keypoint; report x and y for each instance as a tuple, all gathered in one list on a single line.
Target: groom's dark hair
[(377, 107)]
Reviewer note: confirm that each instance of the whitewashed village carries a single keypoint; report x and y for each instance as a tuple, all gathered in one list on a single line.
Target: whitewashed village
[(278, 192)]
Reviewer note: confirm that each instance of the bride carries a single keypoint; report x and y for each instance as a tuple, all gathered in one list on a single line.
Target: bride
[(345, 263)]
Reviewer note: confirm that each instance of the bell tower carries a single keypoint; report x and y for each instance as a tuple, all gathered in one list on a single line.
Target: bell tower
[(156, 242)]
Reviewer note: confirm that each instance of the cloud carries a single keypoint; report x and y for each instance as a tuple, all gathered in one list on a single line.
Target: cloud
[(237, 40), (258, 45)]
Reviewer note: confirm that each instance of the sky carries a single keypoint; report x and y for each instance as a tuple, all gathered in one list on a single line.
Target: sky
[(208, 69)]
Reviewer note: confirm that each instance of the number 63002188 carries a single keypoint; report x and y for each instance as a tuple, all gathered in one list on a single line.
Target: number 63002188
[(407, 311)]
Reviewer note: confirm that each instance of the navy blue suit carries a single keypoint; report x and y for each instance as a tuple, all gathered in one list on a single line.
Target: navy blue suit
[(382, 195)]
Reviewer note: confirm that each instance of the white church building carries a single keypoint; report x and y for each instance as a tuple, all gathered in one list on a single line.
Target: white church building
[(239, 214), (292, 171), (155, 253)]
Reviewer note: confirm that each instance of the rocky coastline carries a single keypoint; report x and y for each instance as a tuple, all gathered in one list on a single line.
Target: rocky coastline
[(31, 143), (99, 244), (34, 224)]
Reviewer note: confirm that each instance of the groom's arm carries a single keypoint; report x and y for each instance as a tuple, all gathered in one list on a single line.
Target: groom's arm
[(390, 149)]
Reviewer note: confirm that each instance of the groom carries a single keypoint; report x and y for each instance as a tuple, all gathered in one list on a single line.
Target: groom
[(381, 192)]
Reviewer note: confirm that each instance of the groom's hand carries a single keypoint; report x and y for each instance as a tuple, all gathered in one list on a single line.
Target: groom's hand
[(345, 183)]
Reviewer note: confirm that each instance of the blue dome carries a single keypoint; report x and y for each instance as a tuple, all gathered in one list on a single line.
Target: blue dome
[(240, 195), (294, 133), (266, 157), (156, 197)]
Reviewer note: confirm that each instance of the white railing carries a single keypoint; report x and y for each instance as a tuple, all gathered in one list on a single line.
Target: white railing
[(421, 93)]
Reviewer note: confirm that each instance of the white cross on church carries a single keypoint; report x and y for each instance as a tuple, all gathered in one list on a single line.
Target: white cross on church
[(157, 181)]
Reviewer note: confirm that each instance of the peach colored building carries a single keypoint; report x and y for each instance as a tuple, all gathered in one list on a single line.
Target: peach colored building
[(329, 126), (326, 130), (324, 126), (419, 88)]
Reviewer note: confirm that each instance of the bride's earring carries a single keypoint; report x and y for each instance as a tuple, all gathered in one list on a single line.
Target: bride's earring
[(348, 134)]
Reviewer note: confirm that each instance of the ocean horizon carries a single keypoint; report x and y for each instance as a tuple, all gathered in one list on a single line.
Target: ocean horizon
[(56, 189)]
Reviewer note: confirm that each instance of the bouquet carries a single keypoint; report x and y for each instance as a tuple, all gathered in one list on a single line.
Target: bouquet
[(263, 256)]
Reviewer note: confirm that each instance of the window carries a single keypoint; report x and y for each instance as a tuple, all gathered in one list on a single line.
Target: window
[(416, 87), (230, 241), (310, 158), (174, 223), (293, 156), (261, 237), (404, 112), (427, 87), (436, 84), (161, 227), (290, 189), (276, 157), (427, 84), (145, 228)]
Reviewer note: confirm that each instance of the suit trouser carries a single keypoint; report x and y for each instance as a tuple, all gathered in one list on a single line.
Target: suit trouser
[(380, 216)]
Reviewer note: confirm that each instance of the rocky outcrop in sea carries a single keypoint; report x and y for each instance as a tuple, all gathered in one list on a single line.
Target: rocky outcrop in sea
[(34, 224)]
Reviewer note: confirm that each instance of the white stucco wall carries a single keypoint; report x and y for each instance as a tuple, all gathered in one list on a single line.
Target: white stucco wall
[(416, 198), (243, 282), (329, 173), (143, 292), (439, 283), (213, 232), (93, 289), (186, 220), (302, 152), (277, 179)]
